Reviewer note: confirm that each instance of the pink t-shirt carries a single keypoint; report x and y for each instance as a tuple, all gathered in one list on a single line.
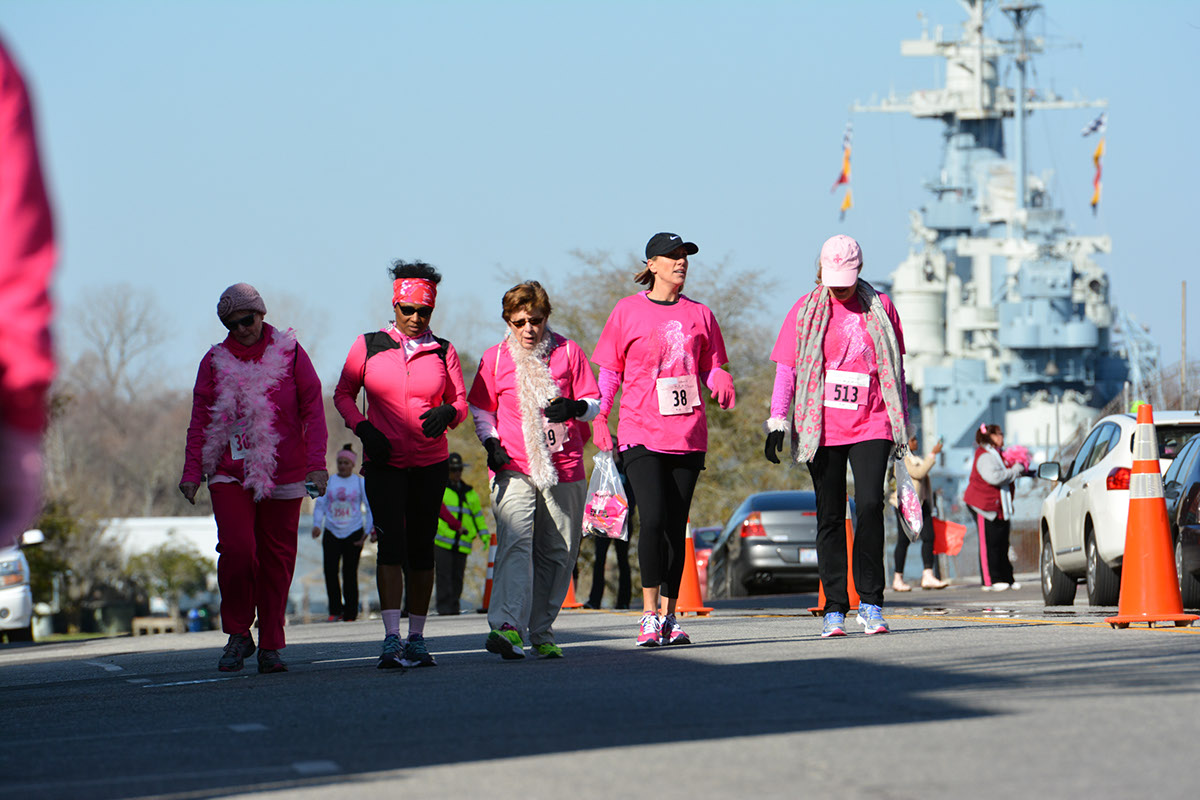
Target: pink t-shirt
[(857, 412), (651, 343), (495, 390)]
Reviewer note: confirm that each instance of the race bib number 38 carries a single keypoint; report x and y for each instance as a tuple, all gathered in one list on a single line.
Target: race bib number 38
[(847, 390), (239, 441), (677, 395)]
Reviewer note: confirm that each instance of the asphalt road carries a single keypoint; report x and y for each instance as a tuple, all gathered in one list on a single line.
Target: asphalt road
[(971, 695)]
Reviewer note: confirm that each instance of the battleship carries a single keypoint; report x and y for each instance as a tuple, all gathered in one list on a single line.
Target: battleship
[(1007, 317)]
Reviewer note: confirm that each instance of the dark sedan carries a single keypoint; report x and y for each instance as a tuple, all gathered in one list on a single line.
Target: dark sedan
[(1181, 488), (768, 545)]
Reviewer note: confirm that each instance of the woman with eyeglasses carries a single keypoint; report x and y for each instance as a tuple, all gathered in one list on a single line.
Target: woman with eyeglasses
[(257, 436), (414, 389), (658, 347), (531, 399)]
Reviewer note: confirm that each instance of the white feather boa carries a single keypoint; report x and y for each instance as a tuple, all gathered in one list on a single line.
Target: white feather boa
[(243, 390), (535, 389)]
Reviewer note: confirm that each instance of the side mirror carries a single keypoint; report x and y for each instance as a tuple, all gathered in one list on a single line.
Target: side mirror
[(1172, 489), (32, 536), (1049, 471)]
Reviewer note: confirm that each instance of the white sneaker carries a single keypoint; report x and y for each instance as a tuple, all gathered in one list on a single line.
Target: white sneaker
[(999, 587), (1014, 586)]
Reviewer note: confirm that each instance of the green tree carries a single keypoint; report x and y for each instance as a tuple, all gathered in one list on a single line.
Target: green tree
[(170, 571)]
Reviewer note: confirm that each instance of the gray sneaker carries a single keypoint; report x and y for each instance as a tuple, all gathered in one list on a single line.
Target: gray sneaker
[(392, 650), (416, 654), (239, 647)]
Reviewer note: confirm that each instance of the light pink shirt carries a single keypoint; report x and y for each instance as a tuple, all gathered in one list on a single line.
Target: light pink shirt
[(645, 341), (848, 347)]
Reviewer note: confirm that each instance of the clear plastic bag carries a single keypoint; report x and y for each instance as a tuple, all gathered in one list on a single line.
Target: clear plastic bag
[(911, 519), (606, 513)]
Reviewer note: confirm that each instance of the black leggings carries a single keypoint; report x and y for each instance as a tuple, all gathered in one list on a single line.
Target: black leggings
[(405, 502), (869, 461), (343, 600), (662, 485), (901, 554)]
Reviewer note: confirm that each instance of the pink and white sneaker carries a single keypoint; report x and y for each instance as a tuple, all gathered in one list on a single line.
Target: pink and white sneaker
[(651, 630), (673, 632)]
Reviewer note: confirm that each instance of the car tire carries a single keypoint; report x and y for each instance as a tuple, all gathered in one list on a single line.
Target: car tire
[(1057, 588), (1103, 582), (1189, 587), (21, 634)]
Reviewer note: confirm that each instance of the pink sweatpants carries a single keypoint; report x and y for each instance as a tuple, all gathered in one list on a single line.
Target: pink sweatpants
[(257, 546)]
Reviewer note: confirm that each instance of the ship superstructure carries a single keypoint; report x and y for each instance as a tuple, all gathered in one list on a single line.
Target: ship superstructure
[(1006, 315)]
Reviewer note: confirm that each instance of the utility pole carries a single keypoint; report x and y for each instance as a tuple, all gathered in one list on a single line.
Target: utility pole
[(1183, 348)]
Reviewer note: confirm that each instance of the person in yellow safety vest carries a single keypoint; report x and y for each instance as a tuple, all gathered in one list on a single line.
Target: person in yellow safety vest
[(451, 547)]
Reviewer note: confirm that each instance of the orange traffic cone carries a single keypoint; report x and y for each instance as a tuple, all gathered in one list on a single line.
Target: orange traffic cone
[(570, 601), (819, 608), (491, 569), (1149, 582), (690, 601)]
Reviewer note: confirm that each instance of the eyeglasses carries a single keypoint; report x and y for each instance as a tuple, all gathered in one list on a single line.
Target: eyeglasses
[(424, 312), (520, 323), (234, 324)]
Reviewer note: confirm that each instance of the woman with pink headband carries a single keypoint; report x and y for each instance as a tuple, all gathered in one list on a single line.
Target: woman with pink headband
[(257, 436), (414, 387), (840, 355), (345, 516)]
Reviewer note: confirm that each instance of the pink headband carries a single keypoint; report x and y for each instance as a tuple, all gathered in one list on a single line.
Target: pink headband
[(417, 291), (983, 428), (347, 454)]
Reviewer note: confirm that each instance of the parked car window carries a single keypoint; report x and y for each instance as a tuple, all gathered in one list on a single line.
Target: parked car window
[(1181, 467), (1085, 452), (784, 501), (1109, 434), (1171, 438)]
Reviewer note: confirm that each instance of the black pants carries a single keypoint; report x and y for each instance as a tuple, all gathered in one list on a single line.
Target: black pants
[(901, 553), (451, 566), (405, 503), (994, 566), (624, 583), (662, 485), (343, 599), (869, 461)]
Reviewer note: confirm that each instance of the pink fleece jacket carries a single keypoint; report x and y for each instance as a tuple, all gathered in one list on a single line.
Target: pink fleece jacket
[(299, 416), (400, 388)]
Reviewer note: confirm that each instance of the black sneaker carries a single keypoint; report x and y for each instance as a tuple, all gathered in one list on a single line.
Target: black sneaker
[(239, 647), (393, 649), (269, 661)]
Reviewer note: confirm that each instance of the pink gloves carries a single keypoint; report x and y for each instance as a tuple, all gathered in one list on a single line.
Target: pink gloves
[(601, 434), (720, 383)]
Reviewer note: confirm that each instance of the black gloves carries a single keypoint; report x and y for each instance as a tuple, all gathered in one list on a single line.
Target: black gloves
[(435, 420), (561, 409), (773, 446), (497, 457), (375, 444)]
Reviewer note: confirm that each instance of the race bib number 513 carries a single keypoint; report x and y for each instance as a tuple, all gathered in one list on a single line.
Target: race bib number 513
[(846, 390)]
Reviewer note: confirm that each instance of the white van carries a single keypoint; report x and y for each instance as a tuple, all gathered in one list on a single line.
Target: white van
[(16, 598)]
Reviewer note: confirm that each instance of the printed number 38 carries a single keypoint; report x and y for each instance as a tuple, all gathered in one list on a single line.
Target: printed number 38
[(680, 396)]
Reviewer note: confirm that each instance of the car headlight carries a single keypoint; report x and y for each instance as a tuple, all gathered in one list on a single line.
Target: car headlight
[(12, 572)]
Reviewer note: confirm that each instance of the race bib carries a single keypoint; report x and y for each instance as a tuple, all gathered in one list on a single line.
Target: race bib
[(847, 390), (677, 395), (556, 435), (341, 510), (239, 441)]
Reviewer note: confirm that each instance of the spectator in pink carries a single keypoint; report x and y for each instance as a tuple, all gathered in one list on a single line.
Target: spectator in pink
[(989, 496), (27, 256), (531, 399), (414, 388), (257, 436), (658, 347), (839, 355)]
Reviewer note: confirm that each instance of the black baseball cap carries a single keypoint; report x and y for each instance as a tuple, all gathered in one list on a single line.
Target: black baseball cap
[(454, 462), (662, 243)]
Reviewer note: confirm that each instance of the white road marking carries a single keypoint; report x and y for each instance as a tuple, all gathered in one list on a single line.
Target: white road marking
[(105, 667), (138, 680), (316, 767), (187, 683), (247, 727)]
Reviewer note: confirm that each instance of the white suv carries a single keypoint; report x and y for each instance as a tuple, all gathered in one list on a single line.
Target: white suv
[(1083, 518), (16, 599)]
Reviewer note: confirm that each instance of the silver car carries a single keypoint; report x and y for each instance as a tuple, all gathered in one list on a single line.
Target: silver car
[(16, 598), (769, 544)]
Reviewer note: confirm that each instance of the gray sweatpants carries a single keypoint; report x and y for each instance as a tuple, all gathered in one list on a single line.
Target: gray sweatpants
[(537, 541)]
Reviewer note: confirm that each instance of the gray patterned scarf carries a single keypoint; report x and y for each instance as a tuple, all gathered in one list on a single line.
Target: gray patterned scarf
[(812, 320)]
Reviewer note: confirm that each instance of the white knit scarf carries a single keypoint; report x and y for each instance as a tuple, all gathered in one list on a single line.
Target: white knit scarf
[(812, 320), (535, 389), (243, 396)]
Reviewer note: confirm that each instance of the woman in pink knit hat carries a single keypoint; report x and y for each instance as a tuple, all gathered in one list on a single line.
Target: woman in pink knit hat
[(257, 437)]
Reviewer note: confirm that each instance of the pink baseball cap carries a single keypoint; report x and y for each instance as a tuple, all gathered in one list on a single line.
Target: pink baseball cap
[(841, 258)]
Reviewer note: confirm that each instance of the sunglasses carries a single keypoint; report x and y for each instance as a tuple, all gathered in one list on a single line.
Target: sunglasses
[(424, 312), (234, 324), (520, 323)]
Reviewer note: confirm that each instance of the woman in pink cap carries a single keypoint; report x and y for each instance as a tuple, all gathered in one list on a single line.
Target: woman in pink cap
[(840, 356), (659, 347), (257, 436), (414, 388), (344, 516)]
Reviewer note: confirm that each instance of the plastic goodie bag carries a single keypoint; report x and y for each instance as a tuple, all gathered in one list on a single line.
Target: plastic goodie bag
[(606, 513), (910, 504)]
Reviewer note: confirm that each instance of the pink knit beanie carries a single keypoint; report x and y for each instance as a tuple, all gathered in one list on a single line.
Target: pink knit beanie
[(240, 297)]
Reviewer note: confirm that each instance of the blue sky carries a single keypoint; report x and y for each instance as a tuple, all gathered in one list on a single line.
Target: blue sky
[(300, 146)]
